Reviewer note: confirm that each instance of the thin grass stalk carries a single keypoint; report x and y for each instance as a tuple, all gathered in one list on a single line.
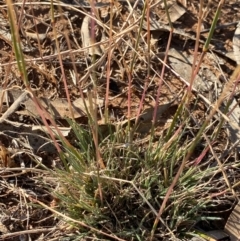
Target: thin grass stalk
[(138, 36), (77, 78), (17, 43), (207, 43), (100, 163), (131, 71), (163, 69), (22, 69), (175, 118), (93, 121), (148, 43), (60, 58), (21, 14), (213, 26), (169, 141), (38, 39), (149, 64), (129, 107), (200, 18), (230, 100), (94, 127), (201, 156), (221, 168), (106, 114), (5, 81)]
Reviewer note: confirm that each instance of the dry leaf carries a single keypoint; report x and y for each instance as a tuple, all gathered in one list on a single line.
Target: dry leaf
[(87, 39), (175, 11), (197, 239), (5, 159), (57, 108), (234, 119), (64, 130), (218, 235), (147, 114), (232, 226), (214, 235), (36, 36), (236, 44), (144, 123), (6, 34), (38, 31), (154, 23), (182, 64), (35, 136), (3, 228)]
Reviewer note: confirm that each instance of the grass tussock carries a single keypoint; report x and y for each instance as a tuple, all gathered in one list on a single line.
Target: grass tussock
[(126, 195)]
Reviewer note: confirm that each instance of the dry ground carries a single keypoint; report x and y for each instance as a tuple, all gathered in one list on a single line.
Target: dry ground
[(19, 216)]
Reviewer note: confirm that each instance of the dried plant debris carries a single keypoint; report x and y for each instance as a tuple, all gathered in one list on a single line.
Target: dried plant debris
[(88, 37), (232, 226), (233, 124), (236, 44), (181, 62), (213, 235), (175, 11), (57, 108), (144, 122)]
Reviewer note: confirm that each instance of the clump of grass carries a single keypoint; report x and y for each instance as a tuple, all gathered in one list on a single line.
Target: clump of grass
[(140, 178), (133, 185)]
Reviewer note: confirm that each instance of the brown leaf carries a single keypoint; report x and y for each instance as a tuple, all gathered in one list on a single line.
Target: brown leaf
[(236, 44), (232, 226), (87, 39), (175, 11), (181, 62), (57, 108), (145, 119)]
